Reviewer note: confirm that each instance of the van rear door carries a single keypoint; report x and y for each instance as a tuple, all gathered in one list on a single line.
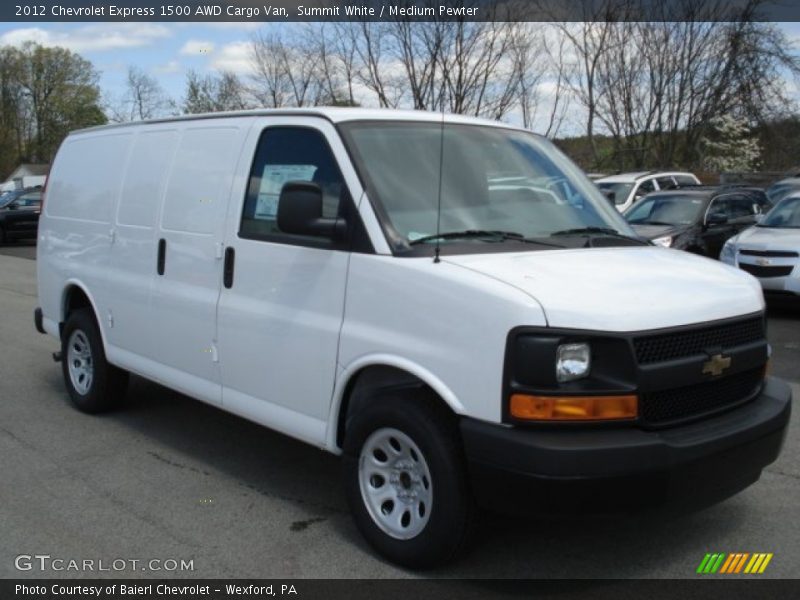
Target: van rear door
[(188, 252)]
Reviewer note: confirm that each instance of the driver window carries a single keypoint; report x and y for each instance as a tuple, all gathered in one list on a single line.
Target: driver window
[(740, 207), (720, 206), (288, 154)]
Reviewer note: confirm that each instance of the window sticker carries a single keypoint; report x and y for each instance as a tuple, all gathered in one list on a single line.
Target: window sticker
[(272, 180)]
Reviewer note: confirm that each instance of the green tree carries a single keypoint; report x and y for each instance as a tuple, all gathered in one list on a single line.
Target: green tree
[(11, 102), (58, 92), (44, 93)]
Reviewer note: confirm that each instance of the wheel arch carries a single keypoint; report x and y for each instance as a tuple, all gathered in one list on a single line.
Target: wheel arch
[(362, 378), (74, 297)]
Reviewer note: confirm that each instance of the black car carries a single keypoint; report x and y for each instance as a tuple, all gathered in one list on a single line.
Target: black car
[(698, 219), (19, 214)]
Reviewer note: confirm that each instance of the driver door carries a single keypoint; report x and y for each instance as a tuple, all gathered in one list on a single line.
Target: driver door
[(282, 302)]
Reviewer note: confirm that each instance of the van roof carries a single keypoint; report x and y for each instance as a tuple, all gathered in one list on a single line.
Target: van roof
[(332, 114)]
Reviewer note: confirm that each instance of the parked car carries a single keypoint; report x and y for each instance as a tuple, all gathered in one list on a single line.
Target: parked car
[(698, 219), (783, 188), (19, 214), (374, 283), (627, 188), (771, 250)]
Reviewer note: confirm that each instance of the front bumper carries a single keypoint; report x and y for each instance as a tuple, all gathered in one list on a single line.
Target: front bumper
[(515, 469)]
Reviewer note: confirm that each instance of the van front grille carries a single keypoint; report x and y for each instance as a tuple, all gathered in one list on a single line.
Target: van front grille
[(681, 344), (666, 406)]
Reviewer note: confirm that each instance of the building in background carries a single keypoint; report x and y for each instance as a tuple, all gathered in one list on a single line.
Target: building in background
[(26, 176)]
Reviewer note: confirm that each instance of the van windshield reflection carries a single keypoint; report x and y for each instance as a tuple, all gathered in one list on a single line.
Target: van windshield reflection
[(437, 184)]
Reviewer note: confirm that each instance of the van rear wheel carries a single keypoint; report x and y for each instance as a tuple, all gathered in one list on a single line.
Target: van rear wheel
[(93, 384), (406, 480)]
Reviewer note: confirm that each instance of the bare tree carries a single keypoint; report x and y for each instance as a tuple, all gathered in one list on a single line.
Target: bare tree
[(655, 85), (375, 71), (214, 93), (143, 98), (287, 68), (588, 43), (560, 96)]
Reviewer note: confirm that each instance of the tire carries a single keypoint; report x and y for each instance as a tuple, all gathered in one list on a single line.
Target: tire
[(425, 516), (93, 384)]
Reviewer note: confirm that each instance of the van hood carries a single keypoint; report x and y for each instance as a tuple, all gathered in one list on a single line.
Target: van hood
[(622, 289)]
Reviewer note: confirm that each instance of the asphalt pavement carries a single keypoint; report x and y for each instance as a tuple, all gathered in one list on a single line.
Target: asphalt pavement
[(169, 478)]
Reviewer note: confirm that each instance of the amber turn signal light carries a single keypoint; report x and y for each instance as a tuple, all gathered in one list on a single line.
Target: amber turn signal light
[(574, 408)]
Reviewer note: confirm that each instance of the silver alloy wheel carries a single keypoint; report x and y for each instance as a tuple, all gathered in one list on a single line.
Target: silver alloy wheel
[(395, 482), (79, 362)]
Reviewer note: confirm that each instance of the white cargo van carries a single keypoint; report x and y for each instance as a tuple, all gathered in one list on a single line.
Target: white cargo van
[(447, 302)]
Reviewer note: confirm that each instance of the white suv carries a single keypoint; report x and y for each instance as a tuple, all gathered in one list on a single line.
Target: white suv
[(627, 188), (449, 303)]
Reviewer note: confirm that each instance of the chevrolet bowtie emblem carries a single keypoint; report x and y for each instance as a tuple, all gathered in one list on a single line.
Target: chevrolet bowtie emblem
[(716, 365), (763, 262)]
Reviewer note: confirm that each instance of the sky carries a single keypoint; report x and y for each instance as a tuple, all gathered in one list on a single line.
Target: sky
[(165, 50)]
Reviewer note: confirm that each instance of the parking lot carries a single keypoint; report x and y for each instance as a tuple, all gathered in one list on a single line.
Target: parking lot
[(171, 478)]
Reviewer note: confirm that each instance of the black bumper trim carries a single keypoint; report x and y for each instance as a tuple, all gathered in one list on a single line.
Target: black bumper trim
[(720, 455), (37, 320)]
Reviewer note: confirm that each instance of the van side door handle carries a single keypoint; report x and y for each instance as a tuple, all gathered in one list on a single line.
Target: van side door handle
[(162, 256), (227, 269)]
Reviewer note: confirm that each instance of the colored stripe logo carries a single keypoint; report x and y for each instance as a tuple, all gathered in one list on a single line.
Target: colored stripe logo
[(734, 563)]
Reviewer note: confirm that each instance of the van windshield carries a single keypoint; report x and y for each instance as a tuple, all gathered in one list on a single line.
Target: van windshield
[(492, 180)]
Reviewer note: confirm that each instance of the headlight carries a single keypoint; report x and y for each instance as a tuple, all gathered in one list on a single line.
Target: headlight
[(665, 241), (728, 253), (573, 361)]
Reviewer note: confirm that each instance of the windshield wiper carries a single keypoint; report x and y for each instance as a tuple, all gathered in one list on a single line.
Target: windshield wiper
[(598, 231), (493, 235), (644, 222)]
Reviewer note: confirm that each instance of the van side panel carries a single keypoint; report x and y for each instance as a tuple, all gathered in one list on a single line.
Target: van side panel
[(133, 254), (75, 233)]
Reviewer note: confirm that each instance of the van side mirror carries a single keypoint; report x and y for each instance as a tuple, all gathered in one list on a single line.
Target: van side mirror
[(300, 212), (759, 217)]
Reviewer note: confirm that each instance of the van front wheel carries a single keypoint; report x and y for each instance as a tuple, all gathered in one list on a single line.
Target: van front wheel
[(93, 384), (406, 481)]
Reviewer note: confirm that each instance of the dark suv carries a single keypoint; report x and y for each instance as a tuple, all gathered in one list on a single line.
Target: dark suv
[(698, 219), (19, 214)]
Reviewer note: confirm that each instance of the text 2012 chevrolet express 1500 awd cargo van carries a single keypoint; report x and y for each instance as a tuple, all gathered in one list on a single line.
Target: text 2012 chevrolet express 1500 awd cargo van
[(447, 302)]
